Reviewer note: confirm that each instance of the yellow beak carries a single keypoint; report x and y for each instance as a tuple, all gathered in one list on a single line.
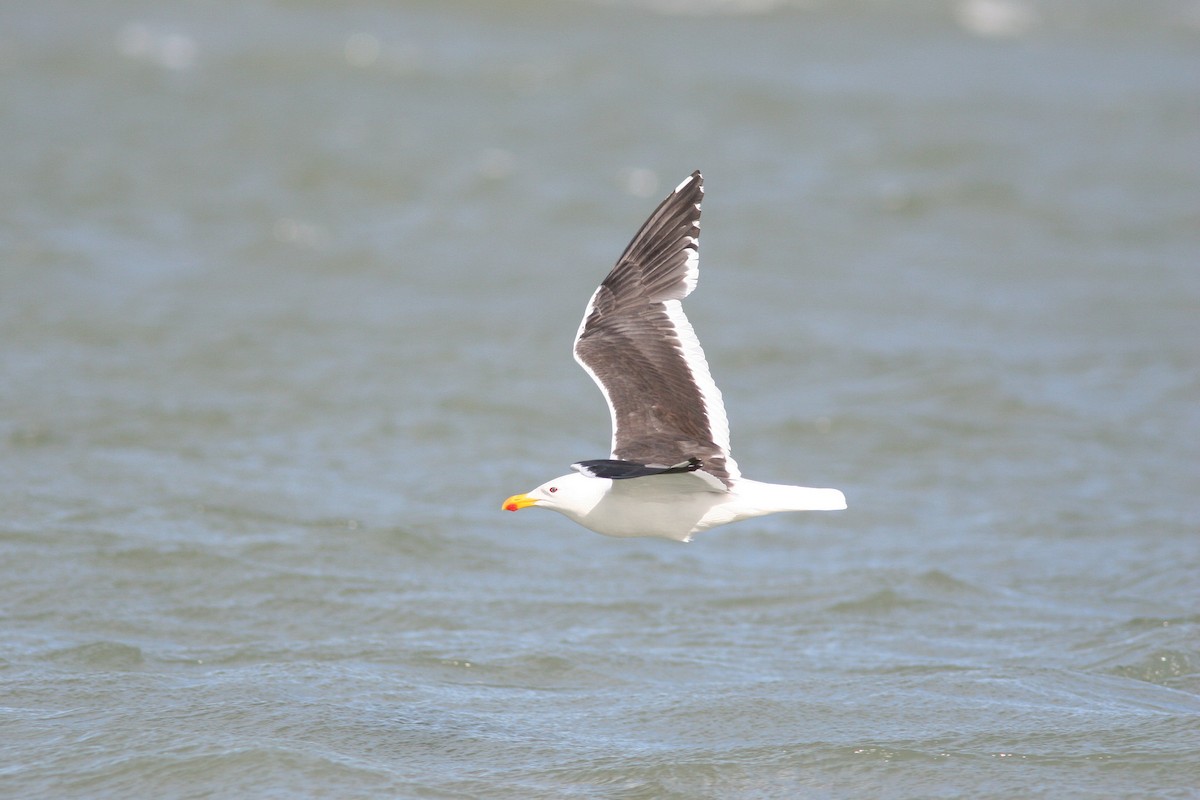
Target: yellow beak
[(518, 501)]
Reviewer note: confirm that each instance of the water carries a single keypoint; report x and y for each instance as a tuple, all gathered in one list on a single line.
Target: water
[(286, 299)]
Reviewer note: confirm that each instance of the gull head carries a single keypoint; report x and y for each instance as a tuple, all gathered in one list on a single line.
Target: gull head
[(572, 494)]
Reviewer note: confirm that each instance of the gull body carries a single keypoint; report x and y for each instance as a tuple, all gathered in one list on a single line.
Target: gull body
[(668, 506)]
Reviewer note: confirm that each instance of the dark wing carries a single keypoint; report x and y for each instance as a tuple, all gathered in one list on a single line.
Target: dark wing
[(639, 347)]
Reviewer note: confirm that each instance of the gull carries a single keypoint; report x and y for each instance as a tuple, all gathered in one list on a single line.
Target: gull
[(670, 473)]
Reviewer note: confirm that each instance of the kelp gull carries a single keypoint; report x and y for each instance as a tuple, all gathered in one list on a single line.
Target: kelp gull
[(670, 474)]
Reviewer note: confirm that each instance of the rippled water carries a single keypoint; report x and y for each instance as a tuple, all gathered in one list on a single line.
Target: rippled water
[(286, 299)]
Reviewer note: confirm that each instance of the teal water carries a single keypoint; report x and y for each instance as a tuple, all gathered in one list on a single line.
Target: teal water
[(287, 293)]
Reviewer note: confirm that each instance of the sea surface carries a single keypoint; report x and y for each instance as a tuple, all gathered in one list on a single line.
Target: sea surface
[(287, 294)]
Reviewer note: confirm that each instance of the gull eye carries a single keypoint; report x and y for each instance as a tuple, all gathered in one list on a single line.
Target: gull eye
[(553, 489)]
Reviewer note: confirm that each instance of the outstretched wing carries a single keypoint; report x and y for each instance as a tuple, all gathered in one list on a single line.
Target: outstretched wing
[(640, 349)]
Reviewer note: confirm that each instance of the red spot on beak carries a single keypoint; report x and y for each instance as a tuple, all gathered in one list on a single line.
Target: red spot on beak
[(511, 507)]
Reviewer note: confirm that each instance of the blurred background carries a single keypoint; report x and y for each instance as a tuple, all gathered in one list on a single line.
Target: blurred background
[(287, 295)]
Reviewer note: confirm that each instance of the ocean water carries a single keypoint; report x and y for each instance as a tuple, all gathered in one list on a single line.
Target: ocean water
[(287, 293)]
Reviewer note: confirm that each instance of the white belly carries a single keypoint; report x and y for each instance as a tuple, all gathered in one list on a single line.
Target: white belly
[(677, 506)]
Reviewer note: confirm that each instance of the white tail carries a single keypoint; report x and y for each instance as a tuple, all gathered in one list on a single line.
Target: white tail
[(771, 497), (819, 499)]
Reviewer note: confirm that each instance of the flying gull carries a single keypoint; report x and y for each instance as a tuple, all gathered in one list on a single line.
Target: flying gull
[(670, 473)]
